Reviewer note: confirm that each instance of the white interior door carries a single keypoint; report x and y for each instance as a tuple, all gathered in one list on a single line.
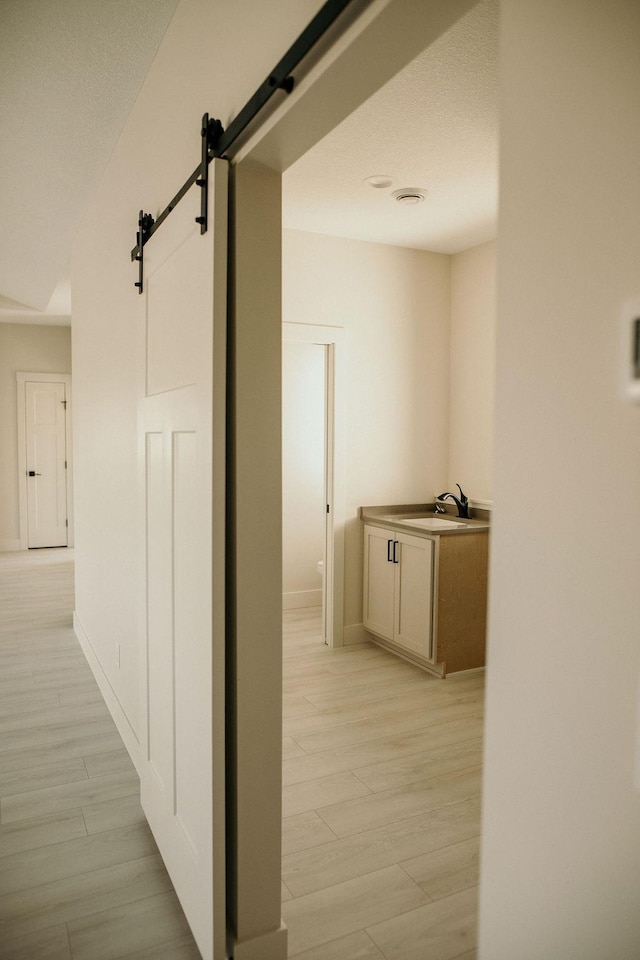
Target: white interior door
[(328, 576), (46, 459), (334, 471), (303, 472), (182, 483)]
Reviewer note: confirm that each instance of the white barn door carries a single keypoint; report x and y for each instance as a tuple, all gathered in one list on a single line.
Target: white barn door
[(181, 437)]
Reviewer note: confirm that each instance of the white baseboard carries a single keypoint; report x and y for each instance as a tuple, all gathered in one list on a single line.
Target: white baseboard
[(269, 946), (7, 546), (114, 706), (297, 599), (354, 633), (465, 673)]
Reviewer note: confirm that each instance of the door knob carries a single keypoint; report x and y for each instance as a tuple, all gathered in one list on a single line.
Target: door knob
[(32, 473)]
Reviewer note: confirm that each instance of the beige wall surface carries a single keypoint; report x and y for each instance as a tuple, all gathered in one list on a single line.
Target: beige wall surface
[(420, 369), (30, 348), (473, 326), (561, 850), (394, 306)]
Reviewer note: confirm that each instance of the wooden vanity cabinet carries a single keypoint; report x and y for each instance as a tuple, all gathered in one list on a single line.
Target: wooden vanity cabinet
[(462, 600), (425, 597)]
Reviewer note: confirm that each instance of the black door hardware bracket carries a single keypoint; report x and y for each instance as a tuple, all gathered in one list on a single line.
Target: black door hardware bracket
[(210, 133), (145, 222), (287, 84), (218, 142)]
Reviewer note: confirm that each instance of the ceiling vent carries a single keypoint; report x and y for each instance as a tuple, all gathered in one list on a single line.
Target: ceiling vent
[(409, 196)]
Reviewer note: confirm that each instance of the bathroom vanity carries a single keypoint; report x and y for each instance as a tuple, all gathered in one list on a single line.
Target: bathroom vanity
[(425, 586)]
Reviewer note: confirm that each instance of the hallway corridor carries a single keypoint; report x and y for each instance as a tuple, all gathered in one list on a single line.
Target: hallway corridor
[(80, 875)]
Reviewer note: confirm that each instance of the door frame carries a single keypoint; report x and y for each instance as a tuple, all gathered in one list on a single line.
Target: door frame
[(388, 35), (21, 379), (332, 338)]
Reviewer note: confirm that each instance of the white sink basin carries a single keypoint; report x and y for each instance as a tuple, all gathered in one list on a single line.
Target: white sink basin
[(432, 523)]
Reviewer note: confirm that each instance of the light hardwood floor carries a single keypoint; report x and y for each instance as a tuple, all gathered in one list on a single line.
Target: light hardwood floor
[(80, 874), (381, 803), (381, 799)]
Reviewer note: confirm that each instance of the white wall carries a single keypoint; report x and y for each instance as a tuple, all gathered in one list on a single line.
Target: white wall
[(30, 348), (561, 850), (473, 325), (420, 368), (394, 305), (303, 497)]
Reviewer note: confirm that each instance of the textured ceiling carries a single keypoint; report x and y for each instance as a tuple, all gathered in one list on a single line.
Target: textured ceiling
[(435, 126), (70, 71)]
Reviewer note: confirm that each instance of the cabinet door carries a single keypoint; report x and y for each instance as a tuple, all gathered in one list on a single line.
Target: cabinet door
[(413, 593), (379, 576)]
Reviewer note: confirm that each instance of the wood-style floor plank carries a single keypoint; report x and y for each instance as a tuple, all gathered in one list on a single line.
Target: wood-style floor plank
[(303, 831), (415, 742), (448, 870), (72, 857), (84, 894), (302, 766), (355, 946), (131, 927), (31, 834), (442, 930), (327, 791), (49, 944), (66, 796), (346, 858), (345, 908), (80, 873)]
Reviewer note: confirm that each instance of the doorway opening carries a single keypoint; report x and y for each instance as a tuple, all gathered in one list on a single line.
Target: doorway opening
[(44, 460), (397, 434), (410, 302), (313, 481)]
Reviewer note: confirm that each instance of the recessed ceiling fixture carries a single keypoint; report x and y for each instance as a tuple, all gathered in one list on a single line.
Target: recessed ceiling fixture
[(409, 196), (379, 182)]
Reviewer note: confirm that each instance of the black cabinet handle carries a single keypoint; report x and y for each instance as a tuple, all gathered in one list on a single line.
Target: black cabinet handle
[(389, 542), (32, 473), (395, 557)]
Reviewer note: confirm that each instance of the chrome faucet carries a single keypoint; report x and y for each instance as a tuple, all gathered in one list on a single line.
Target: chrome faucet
[(461, 503)]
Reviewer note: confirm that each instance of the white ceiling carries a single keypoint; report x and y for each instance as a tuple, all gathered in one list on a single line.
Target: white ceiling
[(70, 71), (435, 126)]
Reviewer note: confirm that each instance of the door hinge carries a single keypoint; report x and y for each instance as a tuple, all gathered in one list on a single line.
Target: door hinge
[(64, 403)]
